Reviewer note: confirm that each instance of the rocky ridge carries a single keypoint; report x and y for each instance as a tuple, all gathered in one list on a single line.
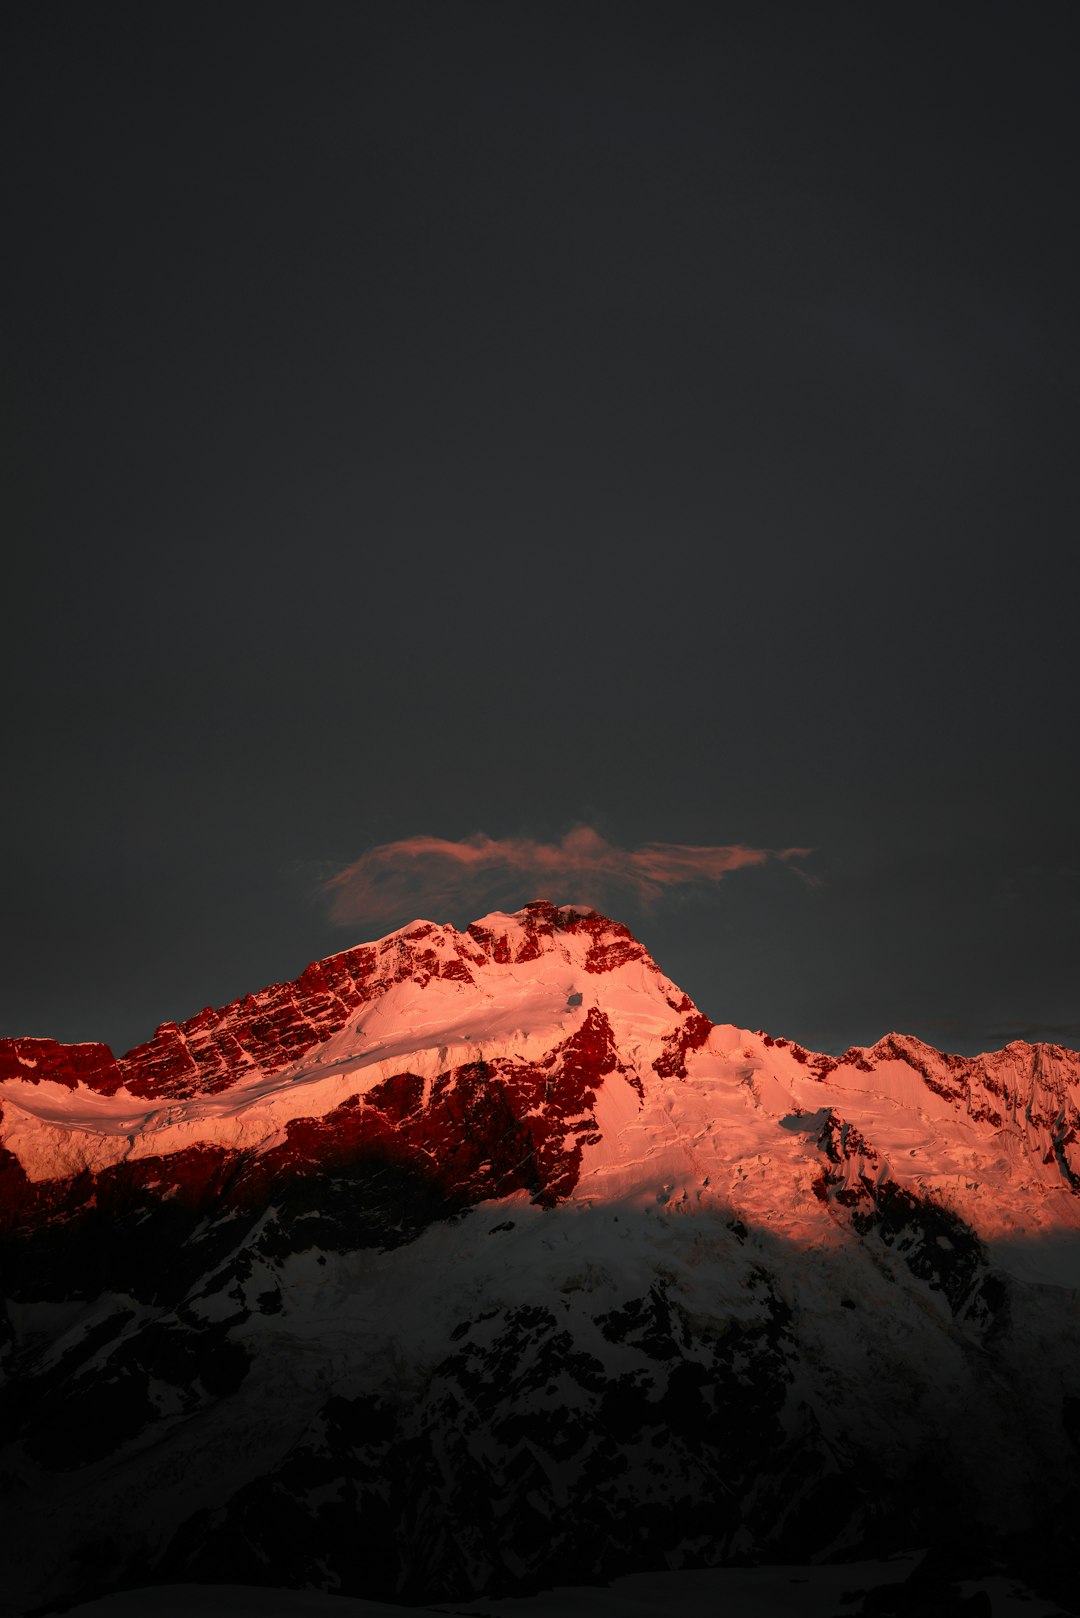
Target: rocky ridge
[(476, 1260)]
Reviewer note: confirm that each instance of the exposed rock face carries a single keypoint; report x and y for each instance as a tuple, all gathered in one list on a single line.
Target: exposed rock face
[(471, 1261), (271, 1030)]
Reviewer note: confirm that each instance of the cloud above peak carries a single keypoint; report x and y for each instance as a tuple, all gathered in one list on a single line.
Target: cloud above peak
[(434, 876)]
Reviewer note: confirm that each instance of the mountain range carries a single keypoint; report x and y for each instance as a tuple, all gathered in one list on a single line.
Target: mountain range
[(474, 1262)]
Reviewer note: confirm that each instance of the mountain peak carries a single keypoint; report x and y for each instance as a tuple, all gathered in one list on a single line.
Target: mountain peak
[(502, 936), (683, 1230), (512, 993), (541, 1050)]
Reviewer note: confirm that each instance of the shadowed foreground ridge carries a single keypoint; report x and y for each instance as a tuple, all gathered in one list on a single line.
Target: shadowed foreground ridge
[(471, 1262)]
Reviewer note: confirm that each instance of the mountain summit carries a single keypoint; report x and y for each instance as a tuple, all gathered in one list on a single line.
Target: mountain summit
[(542, 1051), (471, 1260)]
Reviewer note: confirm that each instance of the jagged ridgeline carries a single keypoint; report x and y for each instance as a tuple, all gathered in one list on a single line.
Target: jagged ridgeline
[(476, 1261)]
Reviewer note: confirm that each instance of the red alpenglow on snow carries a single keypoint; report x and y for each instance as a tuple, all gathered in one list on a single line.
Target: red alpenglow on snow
[(476, 1261), (540, 1053)]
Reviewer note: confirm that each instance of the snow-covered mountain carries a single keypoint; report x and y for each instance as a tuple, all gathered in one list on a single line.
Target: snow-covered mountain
[(476, 1260)]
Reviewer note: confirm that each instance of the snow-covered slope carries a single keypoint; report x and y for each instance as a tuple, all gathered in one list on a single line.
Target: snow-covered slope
[(475, 1259), (426, 999), (616, 1083)]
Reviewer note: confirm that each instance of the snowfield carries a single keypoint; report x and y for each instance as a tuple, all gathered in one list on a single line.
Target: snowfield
[(475, 1264)]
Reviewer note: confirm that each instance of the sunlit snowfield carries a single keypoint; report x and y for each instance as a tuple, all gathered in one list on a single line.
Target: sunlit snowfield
[(735, 1171), (765, 1592)]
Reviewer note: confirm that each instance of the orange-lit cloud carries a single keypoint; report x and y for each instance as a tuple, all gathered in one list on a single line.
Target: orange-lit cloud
[(433, 876)]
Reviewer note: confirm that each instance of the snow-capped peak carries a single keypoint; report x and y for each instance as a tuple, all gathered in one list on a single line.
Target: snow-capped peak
[(554, 1023)]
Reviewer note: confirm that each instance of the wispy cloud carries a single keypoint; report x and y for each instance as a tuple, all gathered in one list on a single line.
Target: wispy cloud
[(434, 876)]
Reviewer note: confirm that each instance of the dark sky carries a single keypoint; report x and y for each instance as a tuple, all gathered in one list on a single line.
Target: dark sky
[(458, 418)]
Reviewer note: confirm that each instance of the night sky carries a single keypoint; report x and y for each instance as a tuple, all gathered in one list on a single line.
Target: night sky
[(517, 419)]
